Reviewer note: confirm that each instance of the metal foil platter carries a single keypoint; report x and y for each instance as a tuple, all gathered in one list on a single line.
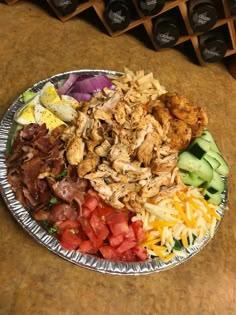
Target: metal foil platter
[(23, 217)]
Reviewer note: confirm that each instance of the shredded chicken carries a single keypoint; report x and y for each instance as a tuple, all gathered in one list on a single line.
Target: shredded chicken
[(126, 141)]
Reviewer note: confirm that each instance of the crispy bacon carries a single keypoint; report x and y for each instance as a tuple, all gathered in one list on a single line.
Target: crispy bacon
[(62, 212), (37, 158), (31, 131), (68, 190)]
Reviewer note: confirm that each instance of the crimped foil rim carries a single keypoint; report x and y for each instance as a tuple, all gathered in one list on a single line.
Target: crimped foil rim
[(23, 217)]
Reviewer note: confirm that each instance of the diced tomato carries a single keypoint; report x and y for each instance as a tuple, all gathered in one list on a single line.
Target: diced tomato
[(118, 222), (128, 255), (109, 252), (130, 234), (90, 202), (126, 245), (116, 240), (87, 247), (99, 227), (69, 240), (93, 193), (140, 252), (67, 224), (96, 241), (67, 246), (138, 230), (86, 212), (104, 211)]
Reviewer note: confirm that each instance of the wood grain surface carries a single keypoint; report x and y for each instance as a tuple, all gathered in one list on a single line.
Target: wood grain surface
[(33, 281)]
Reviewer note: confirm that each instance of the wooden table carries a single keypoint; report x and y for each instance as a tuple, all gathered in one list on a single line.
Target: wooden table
[(33, 281)]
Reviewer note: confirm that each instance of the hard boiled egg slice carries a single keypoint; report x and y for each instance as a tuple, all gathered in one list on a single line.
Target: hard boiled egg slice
[(70, 100), (25, 115), (43, 115), (63, 110), (48, 94)]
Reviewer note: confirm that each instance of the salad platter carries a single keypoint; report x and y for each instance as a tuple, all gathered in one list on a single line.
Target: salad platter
[(111, 172)]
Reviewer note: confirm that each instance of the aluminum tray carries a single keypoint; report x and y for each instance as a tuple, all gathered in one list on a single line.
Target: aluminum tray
[(23, 217)]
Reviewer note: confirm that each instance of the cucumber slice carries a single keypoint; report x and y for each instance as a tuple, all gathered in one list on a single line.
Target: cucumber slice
[(190, 163), (28, 96), (216, 185), (199, 147), (191, 179), (208, 136), (214, 163), (223, 169), (216, 199)]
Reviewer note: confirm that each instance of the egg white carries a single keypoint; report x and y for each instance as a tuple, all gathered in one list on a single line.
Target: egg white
[(25, 115), (43, 115), (48, 94)]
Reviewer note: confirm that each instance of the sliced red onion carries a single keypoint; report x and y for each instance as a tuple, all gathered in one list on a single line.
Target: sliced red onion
[(81, 96), (84, 76), (93, 84), (65, 88)]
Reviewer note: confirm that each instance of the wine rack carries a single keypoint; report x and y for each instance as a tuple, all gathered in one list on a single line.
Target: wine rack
[(11, 1), (226, 21)]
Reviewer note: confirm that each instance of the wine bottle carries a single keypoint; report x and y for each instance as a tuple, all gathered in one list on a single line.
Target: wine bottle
[(151, 7), (118, 14), (202, 15), (213, 46), (65, 7), (165, 31), (232, 6)]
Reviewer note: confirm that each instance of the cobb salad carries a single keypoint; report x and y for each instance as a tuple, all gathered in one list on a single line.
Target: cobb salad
[(117, 167)]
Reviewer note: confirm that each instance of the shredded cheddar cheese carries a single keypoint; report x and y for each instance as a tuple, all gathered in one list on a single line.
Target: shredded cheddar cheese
[(179, 219)]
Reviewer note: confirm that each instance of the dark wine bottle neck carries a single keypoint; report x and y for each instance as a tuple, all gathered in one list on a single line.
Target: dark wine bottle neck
[(65, 6), (151, 7), (118, 14), (165, 31)]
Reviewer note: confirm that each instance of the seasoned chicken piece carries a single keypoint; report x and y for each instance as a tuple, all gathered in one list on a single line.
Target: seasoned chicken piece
[(137, 114), (161, 112), (103, 149), (91, 145), (120, 113), (179, 134), (120, 190), (81, 123), (106, 172), (102, 188), (133, 201), (103, 115), (75, 151), (152, 188), (68, 133), (119, 151), (155, 124), (158, 168), (111, 103), (181, 107), (115, 202), (201, 123), (88, 164), (145, 151), (96, 132), (133, 172), (141, 133), (124, 136), (164, 165)]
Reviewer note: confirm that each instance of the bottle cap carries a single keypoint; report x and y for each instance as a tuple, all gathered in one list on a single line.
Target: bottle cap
[(203, 18), (117, 15), (166, 34), (214, 50), (65, 7), (151, 7)]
